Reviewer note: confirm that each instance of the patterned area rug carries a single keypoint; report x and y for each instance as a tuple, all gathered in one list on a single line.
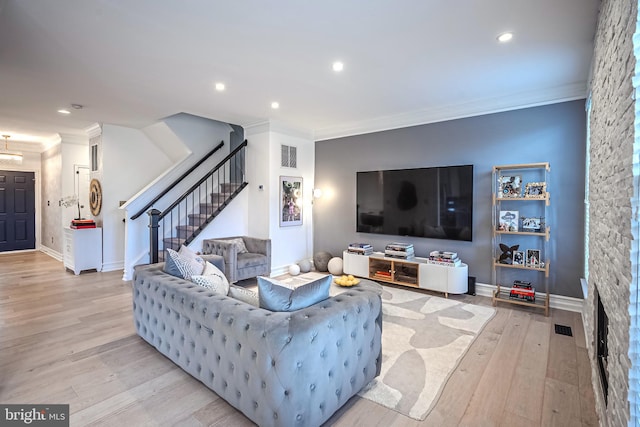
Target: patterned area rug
[(424, 337)]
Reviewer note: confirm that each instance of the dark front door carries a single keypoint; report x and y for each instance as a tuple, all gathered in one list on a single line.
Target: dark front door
[(17, 211)]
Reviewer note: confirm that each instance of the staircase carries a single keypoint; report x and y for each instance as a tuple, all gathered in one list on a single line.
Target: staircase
[(207, 211), (181, 222)]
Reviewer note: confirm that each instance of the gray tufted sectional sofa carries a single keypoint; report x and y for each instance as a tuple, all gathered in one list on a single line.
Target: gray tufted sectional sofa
[(277, 368)]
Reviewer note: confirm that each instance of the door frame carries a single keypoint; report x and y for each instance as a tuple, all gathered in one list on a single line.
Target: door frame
[(37, 195)]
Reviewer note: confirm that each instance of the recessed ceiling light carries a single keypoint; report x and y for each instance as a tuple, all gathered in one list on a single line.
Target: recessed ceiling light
[(338, 66), (77, 106), (505, 37), (219, 87), (275, 105), (63, 111)]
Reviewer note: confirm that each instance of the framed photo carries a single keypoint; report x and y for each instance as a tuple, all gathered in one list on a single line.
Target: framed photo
[(535, 190), (508, 221), (532, 223), (533, 258), (510, 186), (518, 258), (290, 201)]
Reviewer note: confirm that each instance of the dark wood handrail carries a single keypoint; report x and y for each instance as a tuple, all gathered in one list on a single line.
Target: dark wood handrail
[(203, 179), (177, 181)]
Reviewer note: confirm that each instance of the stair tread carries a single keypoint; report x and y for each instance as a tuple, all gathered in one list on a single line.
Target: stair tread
[(207, 210)]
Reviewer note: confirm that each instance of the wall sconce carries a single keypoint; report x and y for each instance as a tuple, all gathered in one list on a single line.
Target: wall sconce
[(317, 193)]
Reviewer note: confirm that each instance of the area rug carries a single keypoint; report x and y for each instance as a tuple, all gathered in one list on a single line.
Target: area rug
[(424, 337)]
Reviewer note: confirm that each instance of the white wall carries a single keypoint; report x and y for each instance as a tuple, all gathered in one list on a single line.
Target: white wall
[(259, 165), (288, 244), (129, 162)]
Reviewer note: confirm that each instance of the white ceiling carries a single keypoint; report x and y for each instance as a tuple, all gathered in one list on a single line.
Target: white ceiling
[(407, 62)]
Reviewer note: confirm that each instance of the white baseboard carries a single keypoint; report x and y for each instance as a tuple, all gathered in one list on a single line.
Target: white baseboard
[(128, 271), (113, 266), (279, 271), (53, 254), (555, 301)]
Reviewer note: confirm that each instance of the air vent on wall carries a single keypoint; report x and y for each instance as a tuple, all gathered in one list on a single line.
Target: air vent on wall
[(289, 156)]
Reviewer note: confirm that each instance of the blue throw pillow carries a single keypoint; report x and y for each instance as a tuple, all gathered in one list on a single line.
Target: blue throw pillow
[(276, 296)]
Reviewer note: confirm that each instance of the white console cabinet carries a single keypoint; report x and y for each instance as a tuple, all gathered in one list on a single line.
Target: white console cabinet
[(416, 272), (83, 249)]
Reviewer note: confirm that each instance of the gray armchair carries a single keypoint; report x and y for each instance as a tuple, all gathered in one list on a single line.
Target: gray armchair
[(239, 266)]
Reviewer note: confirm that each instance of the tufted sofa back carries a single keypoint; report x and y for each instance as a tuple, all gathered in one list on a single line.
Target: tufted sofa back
[(279, 369)]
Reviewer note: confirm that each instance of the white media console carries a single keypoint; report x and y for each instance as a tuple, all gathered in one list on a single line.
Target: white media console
[(415, 272)]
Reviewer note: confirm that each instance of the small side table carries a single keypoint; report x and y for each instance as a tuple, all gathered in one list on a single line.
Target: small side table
[(83, 249)]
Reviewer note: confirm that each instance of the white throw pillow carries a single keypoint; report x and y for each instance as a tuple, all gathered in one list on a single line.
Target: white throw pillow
[(244, 295), (188, 253), (185, 266), (212, 278)]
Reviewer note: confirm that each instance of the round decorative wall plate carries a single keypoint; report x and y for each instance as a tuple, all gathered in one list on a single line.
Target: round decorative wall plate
[(95, 197)]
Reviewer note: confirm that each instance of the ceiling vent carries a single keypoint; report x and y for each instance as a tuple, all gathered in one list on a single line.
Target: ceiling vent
[(289, 156)]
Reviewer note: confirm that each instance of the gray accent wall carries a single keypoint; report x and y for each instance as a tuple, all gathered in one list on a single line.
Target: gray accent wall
[(552, 133)]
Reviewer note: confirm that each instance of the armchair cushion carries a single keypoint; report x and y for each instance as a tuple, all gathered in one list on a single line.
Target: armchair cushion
[(276, 296), (239, 244)]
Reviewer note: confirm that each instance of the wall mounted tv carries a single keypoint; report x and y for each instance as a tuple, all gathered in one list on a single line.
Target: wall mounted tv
[(435, 202)]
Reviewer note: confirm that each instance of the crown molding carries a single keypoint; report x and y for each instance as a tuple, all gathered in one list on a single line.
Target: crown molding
[(279, 127), (69, 138), (256, 128), (93, 130), (515, 101)]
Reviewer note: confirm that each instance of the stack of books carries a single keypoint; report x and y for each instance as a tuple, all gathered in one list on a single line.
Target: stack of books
[(523, 290), (382, 275), (83, 223), (399, 250), (449, 259), (360, 248)]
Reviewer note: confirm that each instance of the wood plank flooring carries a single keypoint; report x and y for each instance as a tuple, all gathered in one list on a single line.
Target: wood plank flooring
[(70, 339)]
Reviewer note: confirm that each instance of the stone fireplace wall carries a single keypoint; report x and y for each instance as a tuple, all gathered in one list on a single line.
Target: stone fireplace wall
[(611, 193)]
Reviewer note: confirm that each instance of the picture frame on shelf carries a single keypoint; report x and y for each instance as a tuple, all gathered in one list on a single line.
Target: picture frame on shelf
[(532, 223), (510, 186), (508, 221), (533, 258), (535, 190), (518, 258)]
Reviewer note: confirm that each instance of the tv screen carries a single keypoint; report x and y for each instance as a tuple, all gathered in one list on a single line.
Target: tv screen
[(434, 202)]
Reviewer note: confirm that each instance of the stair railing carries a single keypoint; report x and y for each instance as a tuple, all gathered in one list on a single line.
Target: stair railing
[(178, 180), (185, 218)]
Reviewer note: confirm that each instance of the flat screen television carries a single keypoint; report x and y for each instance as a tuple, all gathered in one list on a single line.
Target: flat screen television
[(435, 202)]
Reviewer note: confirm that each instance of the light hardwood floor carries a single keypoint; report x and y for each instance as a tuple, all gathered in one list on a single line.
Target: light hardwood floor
[(70, 339)]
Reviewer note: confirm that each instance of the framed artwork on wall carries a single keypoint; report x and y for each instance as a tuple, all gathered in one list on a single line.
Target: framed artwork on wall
[(290, 201)]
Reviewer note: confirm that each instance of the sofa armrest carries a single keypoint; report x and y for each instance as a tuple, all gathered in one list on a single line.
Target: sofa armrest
[(216, 260)]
